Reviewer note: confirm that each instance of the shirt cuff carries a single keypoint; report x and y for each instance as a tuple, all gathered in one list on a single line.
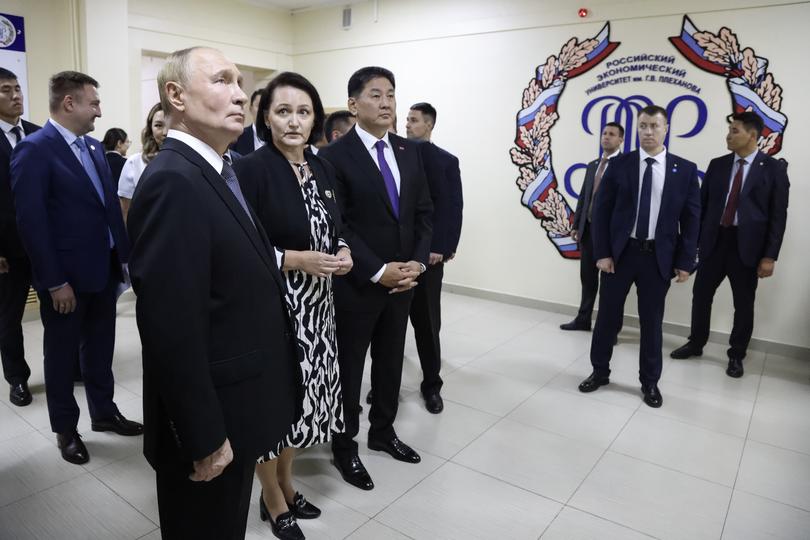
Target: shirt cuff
[(279, 257), (376, 277), (342, 244), (423, 267), (52, 289)]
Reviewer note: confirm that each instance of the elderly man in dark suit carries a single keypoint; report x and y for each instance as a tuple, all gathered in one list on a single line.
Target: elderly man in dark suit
[(15, 268), (745, 200), (219, 361), (646, 219), (610, 142), (70, 223), (385, 202)]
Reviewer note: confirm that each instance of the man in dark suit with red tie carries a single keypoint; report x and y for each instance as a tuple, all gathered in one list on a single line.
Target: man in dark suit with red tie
[(745, 200), (610, 142), (646, 219), (385, 202), (15, 268)]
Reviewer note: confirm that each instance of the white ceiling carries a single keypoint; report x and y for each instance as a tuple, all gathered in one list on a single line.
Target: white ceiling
[(296, 5)]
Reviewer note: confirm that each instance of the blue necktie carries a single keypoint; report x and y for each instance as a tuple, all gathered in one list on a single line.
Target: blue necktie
[(643, 224), (388, 177), (90, 169), (233, 184)]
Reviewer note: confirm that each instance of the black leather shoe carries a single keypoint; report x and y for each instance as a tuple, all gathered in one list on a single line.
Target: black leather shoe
[(119, 425), (687, 351), (396, 449), (434, 403), (368, 397), (302, 508), (576, 325), (593, 383), (652, 396), (72, 448), (19, 395), (284, 527), (735, 368), (354, 472)]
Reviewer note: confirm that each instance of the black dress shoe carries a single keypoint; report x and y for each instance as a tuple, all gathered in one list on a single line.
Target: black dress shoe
[(72, 448), (19, 395), (368, 397), (284, 527), (119, 425), (434, 403), (576, 325), (687, 351), (354, 472), (652, 396), (302, 508), (396, 449), (593, 383), (735, 368)]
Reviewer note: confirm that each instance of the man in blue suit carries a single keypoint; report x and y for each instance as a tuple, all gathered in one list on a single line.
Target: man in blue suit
[(745, 200), (71, 226), (646, 219), (444, 180)]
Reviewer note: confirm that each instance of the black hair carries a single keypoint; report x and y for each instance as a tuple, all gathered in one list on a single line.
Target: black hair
[(617, 126), (426, 109), (361, 77), (112, 138), (67, 83), (750, 120), (336, 120), (294, 80), (652, 110), (6, 75)]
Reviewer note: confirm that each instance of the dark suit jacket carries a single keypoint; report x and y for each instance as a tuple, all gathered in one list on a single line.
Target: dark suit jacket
[(761, 210), (10, 245), (272, 190), (370, 227), (62, 221), (585, 196), (244, 144), (616, 203), (444, 180), (218, 353), (116, 162)]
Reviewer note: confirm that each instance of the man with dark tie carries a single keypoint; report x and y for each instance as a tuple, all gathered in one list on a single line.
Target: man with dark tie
[(610, 141), (15, 269), (337, 125), (444, 181), (249, 140), (646, 219), (745, 200), (71, 226), (385, 201), (219, 361)]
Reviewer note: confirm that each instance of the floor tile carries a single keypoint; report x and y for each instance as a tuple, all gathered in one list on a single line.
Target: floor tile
[(486, 391), (374, 530), (573, 524), (782, 419), (533, 365), (775, 473), (13, 424), (133, 479), (456, 503), (756, 518)]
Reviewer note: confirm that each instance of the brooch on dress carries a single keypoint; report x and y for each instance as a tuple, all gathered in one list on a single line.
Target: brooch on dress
[(328, 193)]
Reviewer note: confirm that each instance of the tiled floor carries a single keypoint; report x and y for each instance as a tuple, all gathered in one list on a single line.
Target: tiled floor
[(518, 452)]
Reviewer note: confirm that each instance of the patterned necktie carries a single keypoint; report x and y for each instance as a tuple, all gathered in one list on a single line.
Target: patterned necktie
[(733, 197), (596, 180), (17, 132), (233, 184), (388, 177), (643, 224), (90, 169)]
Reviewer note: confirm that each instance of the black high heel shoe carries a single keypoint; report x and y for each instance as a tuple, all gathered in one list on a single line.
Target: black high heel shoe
[(284, 527), (302, 508)]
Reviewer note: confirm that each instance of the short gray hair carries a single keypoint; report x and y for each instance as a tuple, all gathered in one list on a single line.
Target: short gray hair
[(176, 69)]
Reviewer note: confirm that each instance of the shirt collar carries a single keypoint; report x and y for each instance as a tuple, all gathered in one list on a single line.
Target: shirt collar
[(748, 159), (208, 154), (66, 134), (614, 154), (660, 158), (8, 127), (370, 140)]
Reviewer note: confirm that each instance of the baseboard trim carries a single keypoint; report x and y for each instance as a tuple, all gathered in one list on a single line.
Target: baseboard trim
[(771, 347)]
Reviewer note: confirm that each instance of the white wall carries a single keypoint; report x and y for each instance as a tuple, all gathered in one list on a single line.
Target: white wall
[(472, 60)]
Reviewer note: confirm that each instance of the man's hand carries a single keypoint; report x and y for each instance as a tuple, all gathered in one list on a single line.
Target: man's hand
[(4, 268), (765, 267), (606, 265), (212, 466), (450, 257), (345, 261), (681, 275), (64, 301), (400, 276), (435, 258), (574, 235), (314, 263)]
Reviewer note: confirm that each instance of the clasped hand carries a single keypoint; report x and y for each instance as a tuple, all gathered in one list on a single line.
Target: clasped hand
[(209, 467), (400, 276), (320, 264)]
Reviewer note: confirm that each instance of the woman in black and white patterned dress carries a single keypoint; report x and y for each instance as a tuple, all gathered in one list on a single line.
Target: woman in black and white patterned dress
[(292, 192)]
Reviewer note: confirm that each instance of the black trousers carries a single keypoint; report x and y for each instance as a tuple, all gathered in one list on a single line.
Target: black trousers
[(588, 276), (90, 330), (426, 318), (215, 510), (14, 287), (638, 267), (383, 329), (724, 262)]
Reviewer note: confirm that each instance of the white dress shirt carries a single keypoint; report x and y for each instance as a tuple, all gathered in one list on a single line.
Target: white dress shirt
[(749, 159), (130, 174), (257, 142), (70, 139), (12, 139), (658, 175)]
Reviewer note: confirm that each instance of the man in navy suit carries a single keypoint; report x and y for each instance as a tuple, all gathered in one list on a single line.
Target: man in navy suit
[(444, 181), (745, 200), (249, 140), (71, 226), (15, 269), (646, 219), (611, 140)]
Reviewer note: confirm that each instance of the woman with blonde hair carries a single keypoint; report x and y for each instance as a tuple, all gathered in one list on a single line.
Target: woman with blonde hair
[(152, 138)]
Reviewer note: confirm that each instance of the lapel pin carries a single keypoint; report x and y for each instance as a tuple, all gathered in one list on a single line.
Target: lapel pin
[(401, 147), (760, 164), (93, 148), (328, 193)]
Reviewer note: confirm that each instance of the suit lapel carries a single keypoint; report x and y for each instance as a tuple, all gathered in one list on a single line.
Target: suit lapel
[(370, 170), (403, 157), (5, 146), (634, 180), (71, 161), (671, 174), (754, 175)]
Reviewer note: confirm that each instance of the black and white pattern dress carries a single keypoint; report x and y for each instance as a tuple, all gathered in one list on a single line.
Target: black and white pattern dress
[(311, 303)]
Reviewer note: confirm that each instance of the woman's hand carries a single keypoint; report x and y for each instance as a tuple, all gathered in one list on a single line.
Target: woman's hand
[(344, 256), (314, 263)]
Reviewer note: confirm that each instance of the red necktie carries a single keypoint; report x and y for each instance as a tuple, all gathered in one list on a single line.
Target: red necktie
[(733, 197)]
